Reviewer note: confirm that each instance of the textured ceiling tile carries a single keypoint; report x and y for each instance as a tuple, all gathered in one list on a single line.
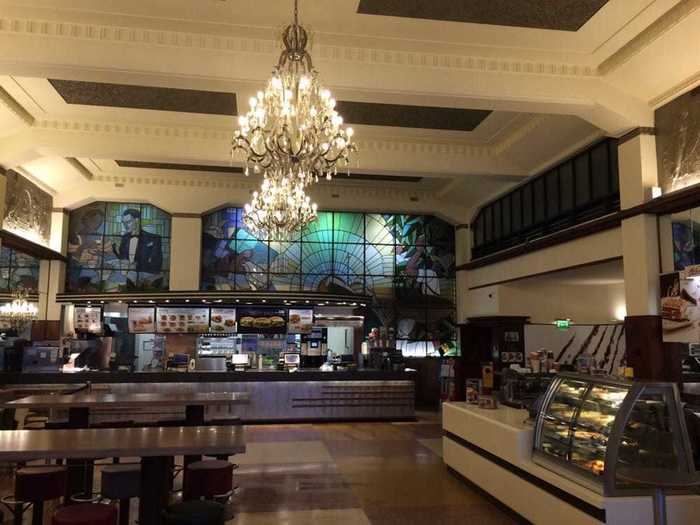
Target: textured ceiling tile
[(396, 115), (563, 15), (146, 97)]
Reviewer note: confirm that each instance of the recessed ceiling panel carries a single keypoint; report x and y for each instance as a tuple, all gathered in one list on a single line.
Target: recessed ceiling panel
[(146, 97), (396, 115), (563, 15)]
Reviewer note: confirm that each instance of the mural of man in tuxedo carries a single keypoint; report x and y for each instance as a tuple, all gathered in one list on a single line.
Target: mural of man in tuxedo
[(142, 249)]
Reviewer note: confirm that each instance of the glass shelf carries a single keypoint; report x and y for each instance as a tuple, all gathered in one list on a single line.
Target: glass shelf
[(592, 425)]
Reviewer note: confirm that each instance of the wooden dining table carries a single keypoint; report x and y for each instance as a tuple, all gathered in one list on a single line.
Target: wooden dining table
[(155, 445)]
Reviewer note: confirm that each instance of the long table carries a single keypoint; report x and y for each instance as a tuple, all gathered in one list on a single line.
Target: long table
[(153, 445), (80, 404)]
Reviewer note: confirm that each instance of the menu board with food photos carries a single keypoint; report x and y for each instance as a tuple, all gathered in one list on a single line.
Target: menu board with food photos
[(142, 320), (223, 320), (88, 319), (300, 321), (262, 320), (182, 320)]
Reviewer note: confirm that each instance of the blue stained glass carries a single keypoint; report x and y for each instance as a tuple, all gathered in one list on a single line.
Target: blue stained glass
[(316, 257), (348, 227), (348, 259), (285, 257), (379, 259), (409, 229), (118, 247), (5, 256), (320, 230), (285, 283), (379, 228)]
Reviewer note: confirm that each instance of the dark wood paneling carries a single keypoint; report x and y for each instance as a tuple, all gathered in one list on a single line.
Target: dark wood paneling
[(644, 347), (30, 248)]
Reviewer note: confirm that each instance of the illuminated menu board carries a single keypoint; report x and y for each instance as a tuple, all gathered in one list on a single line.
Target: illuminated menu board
[(182, 320), (88, 319), (223, 320), (142, 320)]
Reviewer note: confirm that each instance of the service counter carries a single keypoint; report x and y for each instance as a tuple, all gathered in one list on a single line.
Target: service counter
[(275, 396), (492, 449)]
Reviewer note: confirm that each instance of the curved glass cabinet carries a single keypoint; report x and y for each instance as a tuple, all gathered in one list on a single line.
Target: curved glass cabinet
[(604, 432)]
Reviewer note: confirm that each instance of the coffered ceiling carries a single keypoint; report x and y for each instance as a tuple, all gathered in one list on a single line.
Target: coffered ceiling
[(451, 101)]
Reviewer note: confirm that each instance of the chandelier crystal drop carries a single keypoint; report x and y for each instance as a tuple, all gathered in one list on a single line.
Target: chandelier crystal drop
[(292, 128), (280, 209), (20, 311)]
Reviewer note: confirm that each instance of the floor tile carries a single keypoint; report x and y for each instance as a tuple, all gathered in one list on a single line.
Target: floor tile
[(284, 452), (330, 517), (433, 444)]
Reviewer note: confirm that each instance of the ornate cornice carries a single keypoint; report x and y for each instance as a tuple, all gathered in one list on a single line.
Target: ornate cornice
[(651, 34), (233, 44)]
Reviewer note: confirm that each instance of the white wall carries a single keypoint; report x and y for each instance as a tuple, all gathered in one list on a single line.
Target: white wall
[(546, 301)]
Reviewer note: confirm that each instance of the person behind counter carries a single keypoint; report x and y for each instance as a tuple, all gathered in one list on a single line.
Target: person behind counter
[(14, 355), (95, 353)]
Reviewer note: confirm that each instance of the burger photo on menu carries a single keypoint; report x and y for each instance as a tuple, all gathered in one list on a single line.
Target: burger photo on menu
[(223, 320), (262, 320)]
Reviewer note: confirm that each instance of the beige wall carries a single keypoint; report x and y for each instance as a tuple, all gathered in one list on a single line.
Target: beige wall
[(545, 301), (186, 246), (598, 247)]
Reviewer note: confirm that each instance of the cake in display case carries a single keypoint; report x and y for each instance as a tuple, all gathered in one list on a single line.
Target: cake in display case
[(604, 432)]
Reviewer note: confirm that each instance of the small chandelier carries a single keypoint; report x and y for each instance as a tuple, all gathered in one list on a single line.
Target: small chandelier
[(292, 127), (20, 311), (281, 209)]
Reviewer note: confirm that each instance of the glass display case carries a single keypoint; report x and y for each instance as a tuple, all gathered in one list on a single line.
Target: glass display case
[(604, 432)]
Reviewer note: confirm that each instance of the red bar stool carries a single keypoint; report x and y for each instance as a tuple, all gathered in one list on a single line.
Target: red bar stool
[(208, 479), (86, 514), (37, 485)]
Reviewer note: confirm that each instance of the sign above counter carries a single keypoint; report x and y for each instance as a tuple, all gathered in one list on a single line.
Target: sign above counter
[(182, 320)]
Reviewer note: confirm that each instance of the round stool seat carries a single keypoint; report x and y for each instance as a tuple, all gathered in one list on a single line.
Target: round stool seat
[(195, 513), (206, 479), (86, 514), (121, 481), (40, 483)]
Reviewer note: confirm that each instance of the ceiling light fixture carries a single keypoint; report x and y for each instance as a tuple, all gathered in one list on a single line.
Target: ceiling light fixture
[(292, 127), (293, 136)]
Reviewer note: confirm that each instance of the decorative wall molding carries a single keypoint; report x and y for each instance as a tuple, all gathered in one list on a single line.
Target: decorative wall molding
[(690, 83), (635, 133), (86, 173), (231, 44), (249, 184), (9, 103), (651, 34), (517, 134)]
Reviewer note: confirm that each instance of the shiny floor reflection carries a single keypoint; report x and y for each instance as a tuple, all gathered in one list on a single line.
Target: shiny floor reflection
[(348, 473)]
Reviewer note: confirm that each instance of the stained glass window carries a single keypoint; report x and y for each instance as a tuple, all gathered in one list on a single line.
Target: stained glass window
[(18, 271), (119, 247), (405, 262)]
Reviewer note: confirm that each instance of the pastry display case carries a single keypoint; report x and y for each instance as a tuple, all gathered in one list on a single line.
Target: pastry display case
[(604, 431)]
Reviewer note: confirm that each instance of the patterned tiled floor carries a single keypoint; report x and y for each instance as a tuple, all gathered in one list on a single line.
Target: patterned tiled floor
[(352, 473)]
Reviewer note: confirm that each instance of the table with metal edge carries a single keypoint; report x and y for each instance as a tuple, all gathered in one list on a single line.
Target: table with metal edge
[(155, 445)]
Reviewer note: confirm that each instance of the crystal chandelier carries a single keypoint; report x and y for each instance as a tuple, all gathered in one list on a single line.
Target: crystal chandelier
[(280, 209), (292, 128), (20, 311)]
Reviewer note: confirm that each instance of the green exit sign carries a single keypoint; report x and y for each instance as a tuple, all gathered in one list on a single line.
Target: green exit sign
[(562, 324)]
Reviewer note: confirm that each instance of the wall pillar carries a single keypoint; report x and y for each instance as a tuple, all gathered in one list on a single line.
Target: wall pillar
[(641, 258), (52, 274), (462, 256), (185, 252)]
